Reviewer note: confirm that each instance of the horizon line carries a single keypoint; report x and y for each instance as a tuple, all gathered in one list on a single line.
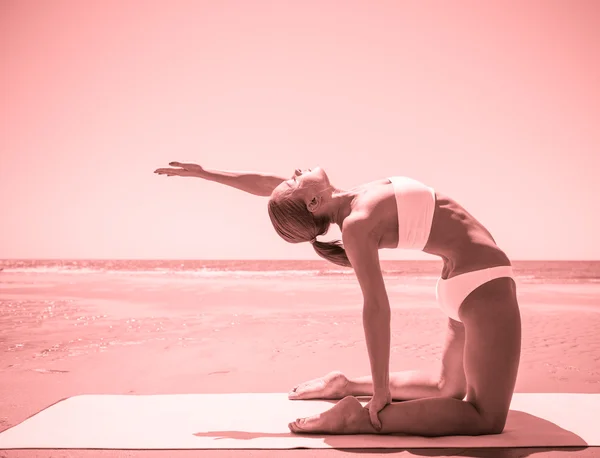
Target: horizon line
[(268, 259)]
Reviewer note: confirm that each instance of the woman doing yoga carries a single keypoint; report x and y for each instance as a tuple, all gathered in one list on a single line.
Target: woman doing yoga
[(471, 393)]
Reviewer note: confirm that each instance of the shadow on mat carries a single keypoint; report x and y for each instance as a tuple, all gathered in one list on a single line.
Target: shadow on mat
[(520, 427), (511, 452)]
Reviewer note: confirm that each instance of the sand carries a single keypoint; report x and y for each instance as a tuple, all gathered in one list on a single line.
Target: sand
[(63, 335)]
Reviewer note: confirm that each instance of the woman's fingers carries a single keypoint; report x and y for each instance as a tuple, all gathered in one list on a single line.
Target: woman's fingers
[(374, 418), (185, 165), (183, 169), (171, 172)]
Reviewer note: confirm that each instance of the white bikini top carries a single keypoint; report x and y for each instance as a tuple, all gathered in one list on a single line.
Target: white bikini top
[(416, 204)]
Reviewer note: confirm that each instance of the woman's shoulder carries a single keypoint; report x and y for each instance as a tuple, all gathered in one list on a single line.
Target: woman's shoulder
[(374, 207)]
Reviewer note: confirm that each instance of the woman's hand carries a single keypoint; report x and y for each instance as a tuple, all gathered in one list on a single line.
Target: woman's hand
[(376, 405), (182, 170)]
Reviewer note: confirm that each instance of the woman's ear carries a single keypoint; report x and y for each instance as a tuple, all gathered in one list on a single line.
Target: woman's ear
[(314, 204)]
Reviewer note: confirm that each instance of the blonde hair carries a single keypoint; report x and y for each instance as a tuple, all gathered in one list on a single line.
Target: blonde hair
[(295, 224)]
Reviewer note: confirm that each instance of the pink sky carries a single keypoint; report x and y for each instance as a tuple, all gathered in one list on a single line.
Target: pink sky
[(494, 103)]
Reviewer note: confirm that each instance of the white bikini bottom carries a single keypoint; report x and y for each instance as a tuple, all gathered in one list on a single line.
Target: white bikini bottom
[(451, 293)]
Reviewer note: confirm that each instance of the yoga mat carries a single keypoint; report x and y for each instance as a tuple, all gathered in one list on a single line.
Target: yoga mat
[(259, 421)]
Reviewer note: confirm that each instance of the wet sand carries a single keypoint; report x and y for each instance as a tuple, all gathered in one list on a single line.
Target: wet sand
[(64, 335)]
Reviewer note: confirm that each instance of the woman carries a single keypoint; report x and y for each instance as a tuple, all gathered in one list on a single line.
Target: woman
[(476, 291)]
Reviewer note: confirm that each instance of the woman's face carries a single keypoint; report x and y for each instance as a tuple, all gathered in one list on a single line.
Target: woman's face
[(305, 181)]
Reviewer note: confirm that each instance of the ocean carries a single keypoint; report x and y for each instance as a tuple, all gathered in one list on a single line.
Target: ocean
[(563, 272), (53, 311)]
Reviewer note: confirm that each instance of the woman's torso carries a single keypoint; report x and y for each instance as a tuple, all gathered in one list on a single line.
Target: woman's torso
[(456, 236)]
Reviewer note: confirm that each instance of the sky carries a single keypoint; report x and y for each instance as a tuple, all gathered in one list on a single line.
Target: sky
[(496, 104)]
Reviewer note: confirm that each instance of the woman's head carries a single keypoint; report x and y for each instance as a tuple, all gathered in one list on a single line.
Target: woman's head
[(298, 209)]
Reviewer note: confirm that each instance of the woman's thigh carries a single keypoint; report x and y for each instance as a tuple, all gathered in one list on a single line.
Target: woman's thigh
[(492, 323)]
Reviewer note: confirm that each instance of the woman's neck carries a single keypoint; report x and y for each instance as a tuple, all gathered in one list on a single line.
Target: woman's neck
[(341, 205)]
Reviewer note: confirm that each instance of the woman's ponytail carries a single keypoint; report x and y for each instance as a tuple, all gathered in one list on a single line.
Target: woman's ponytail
[(333, 252)]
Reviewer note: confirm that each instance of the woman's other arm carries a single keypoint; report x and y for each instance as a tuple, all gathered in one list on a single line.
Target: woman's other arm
[(362, 250)]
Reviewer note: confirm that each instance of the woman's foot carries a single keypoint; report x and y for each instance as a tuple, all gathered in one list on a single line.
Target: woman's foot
[(333, 386), (346, 417)]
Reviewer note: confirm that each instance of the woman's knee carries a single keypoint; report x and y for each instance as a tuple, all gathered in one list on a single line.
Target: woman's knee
[(493, 423)]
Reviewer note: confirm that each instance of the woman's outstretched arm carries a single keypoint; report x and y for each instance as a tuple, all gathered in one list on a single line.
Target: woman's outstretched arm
[(259, 184)]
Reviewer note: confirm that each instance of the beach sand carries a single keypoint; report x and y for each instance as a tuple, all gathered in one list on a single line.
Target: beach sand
[(64, 335)]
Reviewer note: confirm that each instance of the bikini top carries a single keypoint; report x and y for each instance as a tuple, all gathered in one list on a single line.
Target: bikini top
[(416, 204)]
